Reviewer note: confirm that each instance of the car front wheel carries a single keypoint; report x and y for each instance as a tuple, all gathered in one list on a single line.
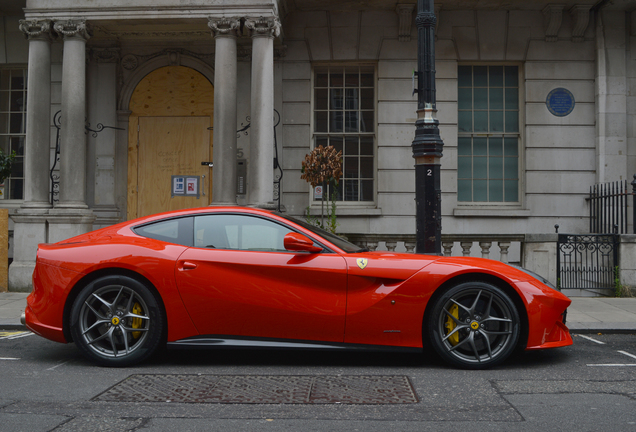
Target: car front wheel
[(117, 321), (474, 325)]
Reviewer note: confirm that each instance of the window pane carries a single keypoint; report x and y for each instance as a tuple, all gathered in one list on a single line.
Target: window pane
[(366, 99), (335, 77), (336, 124), (366, 80), (320, 99), (512, 76), (367, 121), (511, 147), (495, 146), (496, 168), (17, 189), (351, 121), (465, 98), (366, 190), (512, 190), (465, 121), (322, 141), (496, 98), (366, 167), (512, 121), (511, 168), (496, 121), (464, 76), (480, 146), (481, 121), (351, 79), (463, 146), (480, 168), (495, 191), (480, 76), (512, 98), (351, 99), (351, 146), (321, 79), (336, 99), (481, 98), (464, 167), (336, 142), (480, 191), (464, 190), (351, 167), (496, 76), (350, 189), (320, 121), (366, 146)]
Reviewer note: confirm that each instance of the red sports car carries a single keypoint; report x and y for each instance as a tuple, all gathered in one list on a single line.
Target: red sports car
[(244, 277)]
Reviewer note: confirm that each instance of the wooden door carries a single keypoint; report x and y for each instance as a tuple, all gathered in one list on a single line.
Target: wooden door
[(172, 146)]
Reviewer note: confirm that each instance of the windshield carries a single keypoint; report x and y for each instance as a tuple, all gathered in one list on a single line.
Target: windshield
[(333, 238)]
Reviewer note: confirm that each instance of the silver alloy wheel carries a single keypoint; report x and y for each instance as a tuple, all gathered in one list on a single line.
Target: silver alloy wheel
[(114, 321), (477, 326)]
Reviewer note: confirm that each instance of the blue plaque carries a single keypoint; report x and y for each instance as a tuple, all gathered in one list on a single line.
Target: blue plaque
[(560, 102)]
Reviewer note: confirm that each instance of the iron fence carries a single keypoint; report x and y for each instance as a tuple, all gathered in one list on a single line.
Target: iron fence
[(609, 204), (587, 261)]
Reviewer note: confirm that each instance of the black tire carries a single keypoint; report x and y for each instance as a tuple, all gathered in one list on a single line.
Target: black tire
[(474, 325), (117, 321)]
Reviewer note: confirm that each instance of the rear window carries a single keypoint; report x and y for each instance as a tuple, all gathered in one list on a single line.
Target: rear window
[(177, 231)]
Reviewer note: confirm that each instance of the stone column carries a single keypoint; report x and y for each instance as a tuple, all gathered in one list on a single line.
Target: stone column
[(72, 134), (71, 215), (225, 31), (38, 121), (30, 227), (261, 163)]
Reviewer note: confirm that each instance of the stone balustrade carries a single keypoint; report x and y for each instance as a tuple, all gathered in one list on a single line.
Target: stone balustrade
[(406, 242)]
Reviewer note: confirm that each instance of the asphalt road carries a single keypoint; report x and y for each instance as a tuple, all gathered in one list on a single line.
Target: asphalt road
[(590, 386)]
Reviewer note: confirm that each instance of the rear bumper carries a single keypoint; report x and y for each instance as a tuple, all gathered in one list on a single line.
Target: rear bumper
[(49, 332)]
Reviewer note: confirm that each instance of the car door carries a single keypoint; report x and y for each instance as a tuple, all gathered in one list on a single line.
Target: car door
[(238, 280)]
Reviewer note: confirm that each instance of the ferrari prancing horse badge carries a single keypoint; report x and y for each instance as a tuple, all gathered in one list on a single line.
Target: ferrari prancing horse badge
[(362, 263)]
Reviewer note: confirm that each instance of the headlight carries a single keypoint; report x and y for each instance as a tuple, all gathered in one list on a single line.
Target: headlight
[(536, 276)]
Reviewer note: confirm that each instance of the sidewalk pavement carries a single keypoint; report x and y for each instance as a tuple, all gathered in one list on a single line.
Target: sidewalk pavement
[(585, 314)]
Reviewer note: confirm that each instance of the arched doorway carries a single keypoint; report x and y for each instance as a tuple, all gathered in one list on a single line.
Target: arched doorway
[(170, 134)]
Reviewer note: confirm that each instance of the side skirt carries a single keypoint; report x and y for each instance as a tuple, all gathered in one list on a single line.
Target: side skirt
[(233, 342)]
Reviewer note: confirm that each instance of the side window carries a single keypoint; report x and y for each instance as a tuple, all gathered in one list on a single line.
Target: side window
[(177, 231), (238, 232)]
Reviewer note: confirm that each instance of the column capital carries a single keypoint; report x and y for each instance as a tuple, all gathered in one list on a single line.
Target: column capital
[(36, 29), (72, 29), (224, 26), (263, 27)]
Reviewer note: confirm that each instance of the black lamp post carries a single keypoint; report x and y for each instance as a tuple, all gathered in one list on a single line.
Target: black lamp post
[(427, 145)]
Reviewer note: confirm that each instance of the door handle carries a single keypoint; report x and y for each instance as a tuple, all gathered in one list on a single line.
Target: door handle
[(186, 265)]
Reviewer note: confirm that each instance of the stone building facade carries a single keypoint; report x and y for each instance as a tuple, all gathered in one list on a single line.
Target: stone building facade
[(536, 102)]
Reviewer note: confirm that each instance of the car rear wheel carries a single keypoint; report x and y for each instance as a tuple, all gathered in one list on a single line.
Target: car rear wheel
[(117, 321), (474, 325)]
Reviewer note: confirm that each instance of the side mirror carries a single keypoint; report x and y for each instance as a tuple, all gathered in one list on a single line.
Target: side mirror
[(299, 243)]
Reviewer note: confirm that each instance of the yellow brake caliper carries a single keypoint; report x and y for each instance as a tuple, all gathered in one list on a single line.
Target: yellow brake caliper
[(136, 322), (450, 325)]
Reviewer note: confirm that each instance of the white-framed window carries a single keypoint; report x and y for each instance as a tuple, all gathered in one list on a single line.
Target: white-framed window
[(13, 94), (344, 117), (489, 135)]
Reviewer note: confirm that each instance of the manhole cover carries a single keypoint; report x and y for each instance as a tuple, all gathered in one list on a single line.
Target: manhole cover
[(262, 389)]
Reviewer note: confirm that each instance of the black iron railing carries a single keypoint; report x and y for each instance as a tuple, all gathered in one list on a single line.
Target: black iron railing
[(587, 261), (609, 204)]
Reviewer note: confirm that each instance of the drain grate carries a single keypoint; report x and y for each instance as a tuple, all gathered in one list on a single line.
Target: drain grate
[(262, 389)]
